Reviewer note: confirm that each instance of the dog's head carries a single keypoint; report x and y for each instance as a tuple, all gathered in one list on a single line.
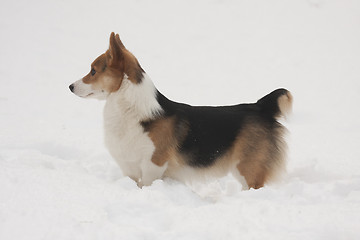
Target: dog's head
[(108, 71)]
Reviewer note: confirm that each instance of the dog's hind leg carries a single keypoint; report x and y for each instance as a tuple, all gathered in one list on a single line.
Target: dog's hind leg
[(236, 174), (254, 174)]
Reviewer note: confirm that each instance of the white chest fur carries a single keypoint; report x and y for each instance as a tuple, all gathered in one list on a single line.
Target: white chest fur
[(124, 135), (125, 138)]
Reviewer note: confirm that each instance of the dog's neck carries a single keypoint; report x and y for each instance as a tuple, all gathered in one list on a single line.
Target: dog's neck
[(138, 100)]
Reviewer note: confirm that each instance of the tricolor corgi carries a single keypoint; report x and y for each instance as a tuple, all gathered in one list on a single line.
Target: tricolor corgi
[(152, 137)]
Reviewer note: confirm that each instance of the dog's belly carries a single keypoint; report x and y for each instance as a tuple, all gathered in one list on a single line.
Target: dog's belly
[(188, 174)]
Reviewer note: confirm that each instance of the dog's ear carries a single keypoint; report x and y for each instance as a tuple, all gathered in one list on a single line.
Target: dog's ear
[(115, 53), (117, 37)]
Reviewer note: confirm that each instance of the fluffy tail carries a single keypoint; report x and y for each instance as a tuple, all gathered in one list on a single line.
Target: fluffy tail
[(277, 103)]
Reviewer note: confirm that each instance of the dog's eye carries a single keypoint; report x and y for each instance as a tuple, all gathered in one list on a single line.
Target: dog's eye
[(92, 72)]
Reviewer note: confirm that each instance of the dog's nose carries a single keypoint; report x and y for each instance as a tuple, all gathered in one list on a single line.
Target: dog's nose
[(71, 87)]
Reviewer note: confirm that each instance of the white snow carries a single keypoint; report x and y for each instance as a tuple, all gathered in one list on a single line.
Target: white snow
[(57, 181)]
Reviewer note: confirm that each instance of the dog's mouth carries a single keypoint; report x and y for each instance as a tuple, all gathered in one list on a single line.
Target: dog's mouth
[(88, 95)]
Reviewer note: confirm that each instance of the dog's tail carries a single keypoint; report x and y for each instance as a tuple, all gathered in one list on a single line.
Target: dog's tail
[(276, 104)]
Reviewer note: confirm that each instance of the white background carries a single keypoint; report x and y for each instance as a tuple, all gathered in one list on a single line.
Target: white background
[(57, 180)]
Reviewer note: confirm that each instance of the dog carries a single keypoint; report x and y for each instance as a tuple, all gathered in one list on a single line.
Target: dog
[(152, 137)]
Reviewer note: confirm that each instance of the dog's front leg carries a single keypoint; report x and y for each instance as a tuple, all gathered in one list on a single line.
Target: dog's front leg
[(150, 172)]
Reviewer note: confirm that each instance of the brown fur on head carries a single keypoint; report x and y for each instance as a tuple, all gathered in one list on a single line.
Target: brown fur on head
[(108, 71)]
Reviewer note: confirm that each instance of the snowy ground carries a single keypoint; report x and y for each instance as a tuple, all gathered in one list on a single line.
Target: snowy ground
[(57, 181)]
